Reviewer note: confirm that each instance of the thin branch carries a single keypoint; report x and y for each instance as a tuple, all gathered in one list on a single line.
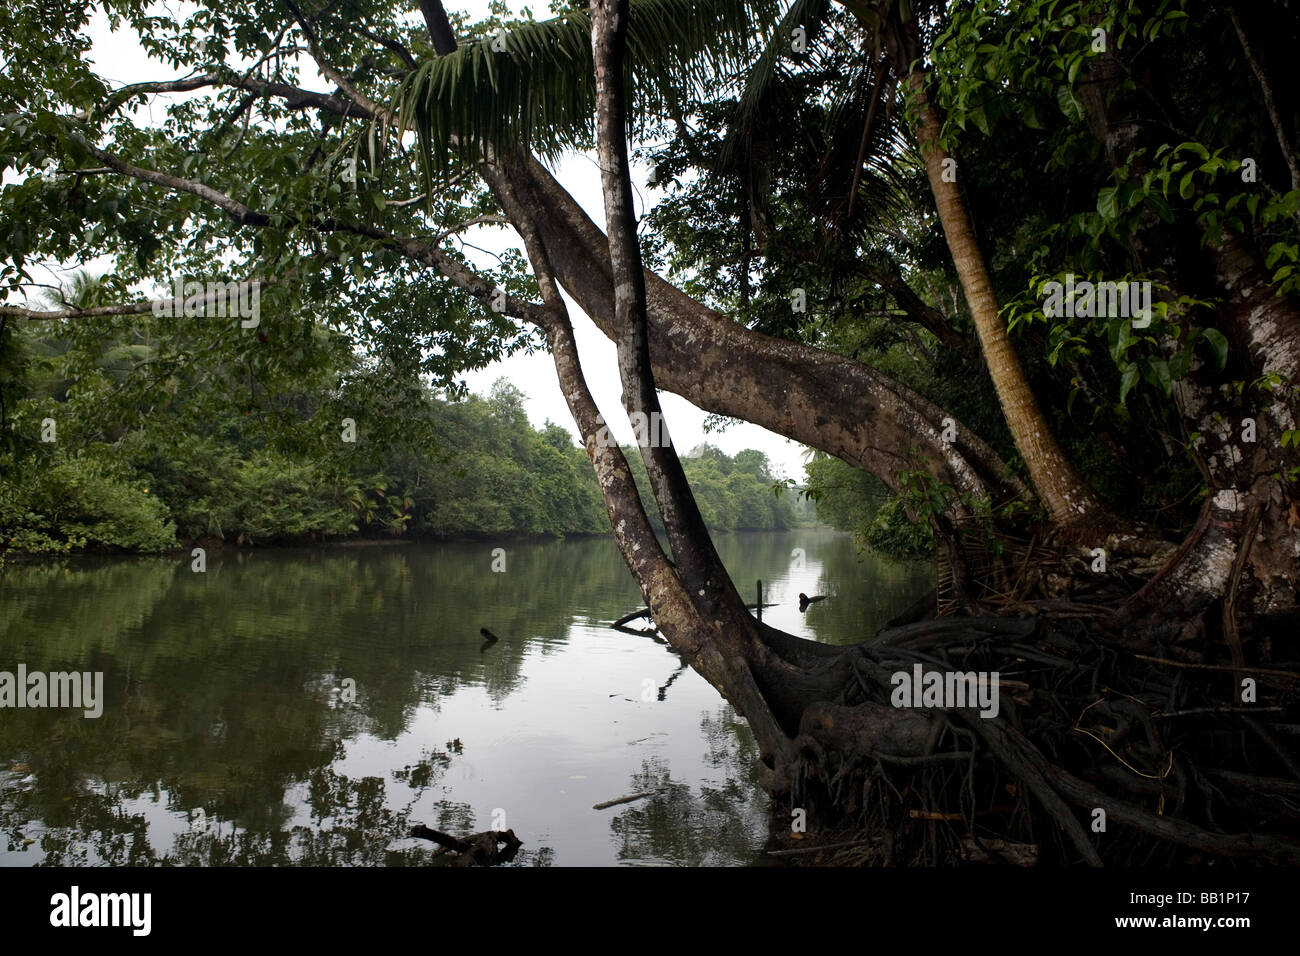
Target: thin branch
[(399, 203), (294, 97), (462, 275), (242, 214), (131, 308), (333, 75), (1279, 128), (402, 52), (475, 221)]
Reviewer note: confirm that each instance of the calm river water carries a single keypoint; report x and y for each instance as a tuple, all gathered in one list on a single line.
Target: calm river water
[(308, 706)]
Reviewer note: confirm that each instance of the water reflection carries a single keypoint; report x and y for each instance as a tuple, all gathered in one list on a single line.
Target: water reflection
[(309, 706)]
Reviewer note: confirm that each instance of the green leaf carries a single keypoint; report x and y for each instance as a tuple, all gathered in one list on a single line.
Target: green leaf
[(1120, 334), (1070, 104), (1162, 209), (1156, 372), (1126, 382), (1219, 344), (1107, 203), (1179, 364)]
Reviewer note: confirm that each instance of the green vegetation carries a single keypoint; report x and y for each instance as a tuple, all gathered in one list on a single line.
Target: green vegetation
[(253, 452), (853, 500), (735, 493)]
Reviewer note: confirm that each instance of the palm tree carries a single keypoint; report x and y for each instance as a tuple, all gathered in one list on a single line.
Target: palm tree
[(894, 27)]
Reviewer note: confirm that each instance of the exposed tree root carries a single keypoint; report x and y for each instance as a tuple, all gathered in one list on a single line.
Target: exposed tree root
[(1097, 755)]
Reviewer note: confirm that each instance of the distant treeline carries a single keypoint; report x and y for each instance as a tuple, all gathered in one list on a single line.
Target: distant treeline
[(316, 447)]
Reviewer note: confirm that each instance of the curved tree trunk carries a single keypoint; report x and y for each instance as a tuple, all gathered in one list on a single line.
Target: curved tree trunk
[(827, 401)]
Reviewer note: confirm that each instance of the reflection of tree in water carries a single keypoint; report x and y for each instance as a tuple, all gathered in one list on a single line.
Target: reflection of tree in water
[(352, 824), (90, 830), (716, 826), (223, 691)]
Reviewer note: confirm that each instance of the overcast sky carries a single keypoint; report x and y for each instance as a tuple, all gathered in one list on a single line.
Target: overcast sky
[(119, 58)]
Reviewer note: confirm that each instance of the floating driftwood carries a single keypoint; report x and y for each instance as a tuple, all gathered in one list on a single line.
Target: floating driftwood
[(628, 799), (622, 621), (651, 632)]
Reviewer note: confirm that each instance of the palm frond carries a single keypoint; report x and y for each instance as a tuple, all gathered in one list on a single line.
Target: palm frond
[(538, 93), (880, 192), (759, 83)]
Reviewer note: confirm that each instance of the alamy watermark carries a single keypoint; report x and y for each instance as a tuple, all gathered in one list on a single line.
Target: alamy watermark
[(56, 689), (650, 431), (948, 689), (191, 299), (1086, 299), (130, 910)]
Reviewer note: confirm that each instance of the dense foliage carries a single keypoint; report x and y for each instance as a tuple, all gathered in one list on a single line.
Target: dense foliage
[(255, 452), (786, 178), (764, 204)]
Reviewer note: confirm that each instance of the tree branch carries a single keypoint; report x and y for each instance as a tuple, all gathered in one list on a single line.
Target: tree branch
[(130, 308), (294, 97), (440, 32), (1275, 117), (331, 74), (413, 249)]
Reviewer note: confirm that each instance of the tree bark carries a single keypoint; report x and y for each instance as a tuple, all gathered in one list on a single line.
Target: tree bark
[(1246, 474), (821, 399), (698, 564), (1066, 496), (440, 32)]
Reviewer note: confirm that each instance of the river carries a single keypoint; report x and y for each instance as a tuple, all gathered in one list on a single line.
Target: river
[(308, 706)]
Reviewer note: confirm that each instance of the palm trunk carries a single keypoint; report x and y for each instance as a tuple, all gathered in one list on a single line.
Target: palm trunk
[(1066, 496)]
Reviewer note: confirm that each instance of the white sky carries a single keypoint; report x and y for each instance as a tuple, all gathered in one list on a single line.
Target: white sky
[(118, 58)]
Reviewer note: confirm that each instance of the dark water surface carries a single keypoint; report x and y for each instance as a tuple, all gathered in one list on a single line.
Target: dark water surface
[(228, 735)]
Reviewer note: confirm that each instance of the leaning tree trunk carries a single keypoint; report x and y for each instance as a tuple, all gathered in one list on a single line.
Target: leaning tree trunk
[(697, 561), (827, 401), (1064, 493)]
